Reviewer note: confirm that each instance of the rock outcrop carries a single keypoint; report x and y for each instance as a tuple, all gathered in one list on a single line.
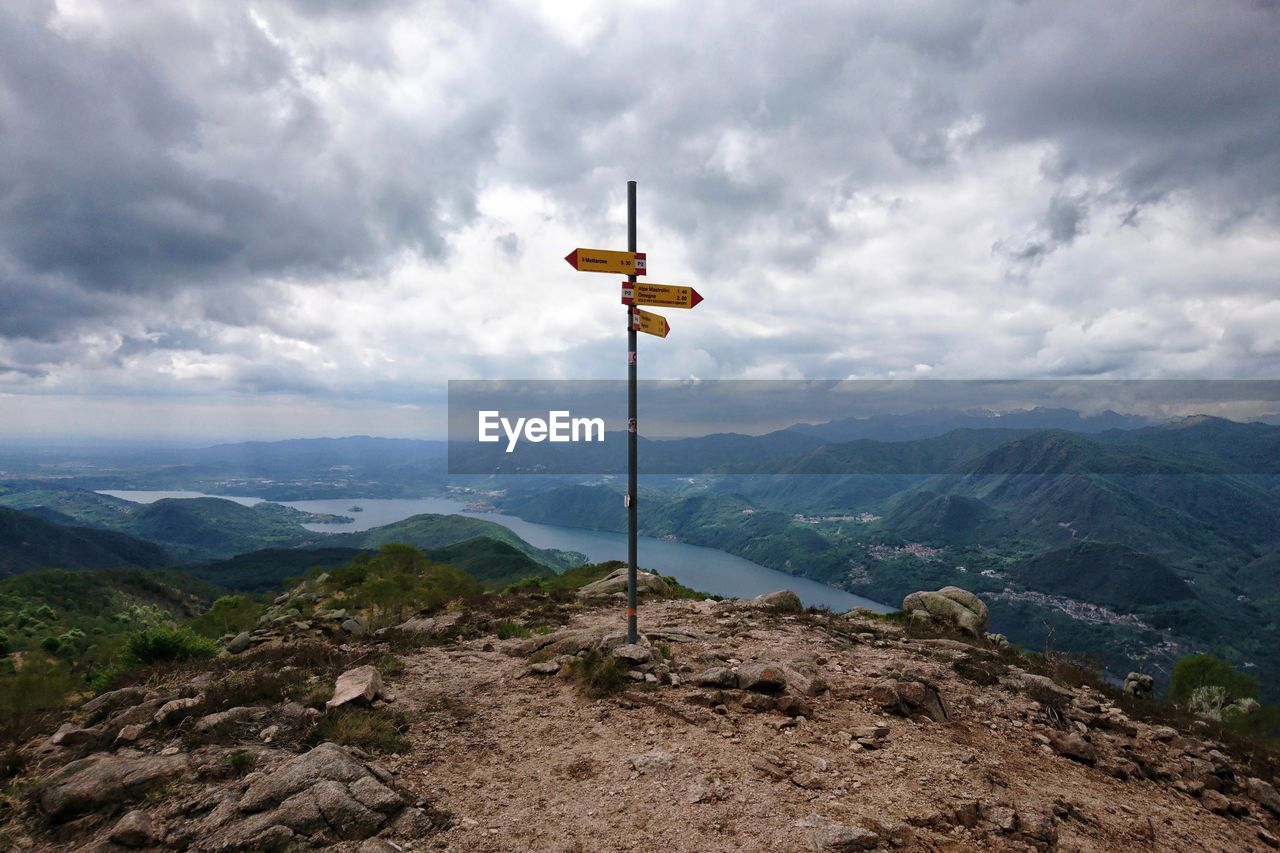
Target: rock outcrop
[(951, 605)]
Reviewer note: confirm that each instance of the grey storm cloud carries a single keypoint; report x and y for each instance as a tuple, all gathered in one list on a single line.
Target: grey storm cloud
[(163, 174), (113, 181)]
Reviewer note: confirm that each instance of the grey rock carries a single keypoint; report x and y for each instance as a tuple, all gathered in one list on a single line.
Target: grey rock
[(828, 836), (633, 653), (1264, 794), (412, 822), (299, 812), (646, 584), (1043, 687), (782, 601), (231, 715), (241, 642), (909, 699), (102, 779), (326, 761), (69, 734), (950, 604), (378, 845), (794, 706), (178, 710), (1074, 746), (546, 668), (348, 816), (354, 627), (362, 684), (1215, 801), (761, 677), (716, 676), (113, 700), (376, 795), (133, 830), (651, 763), (128, 734)]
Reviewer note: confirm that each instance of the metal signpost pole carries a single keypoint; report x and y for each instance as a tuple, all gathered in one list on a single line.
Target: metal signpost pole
[(632, 427)]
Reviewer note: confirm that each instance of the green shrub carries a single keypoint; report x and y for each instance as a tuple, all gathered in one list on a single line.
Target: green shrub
[(390, 666), (507, 630), (229, 614), (166, 645), (241, 761), (379, 731), (1195, 672), (598, 674)]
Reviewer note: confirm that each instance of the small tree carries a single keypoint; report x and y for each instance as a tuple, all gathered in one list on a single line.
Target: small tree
[(1197, 672)]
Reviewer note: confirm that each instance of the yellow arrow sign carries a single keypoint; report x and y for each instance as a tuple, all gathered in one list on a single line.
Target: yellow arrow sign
[(605, 260), (662, 295), (651, 324)]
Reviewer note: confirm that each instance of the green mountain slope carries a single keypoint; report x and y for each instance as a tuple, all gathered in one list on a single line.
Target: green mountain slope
[(28, 542), (952, 519), (268, 568), (493, 563), (83, 508), (1104, 573), (429, 531), (215, 526)]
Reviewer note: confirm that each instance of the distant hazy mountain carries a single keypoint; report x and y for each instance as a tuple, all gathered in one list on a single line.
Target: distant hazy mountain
[(934, 422)]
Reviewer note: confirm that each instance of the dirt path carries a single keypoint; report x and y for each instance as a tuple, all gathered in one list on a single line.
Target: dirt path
[(523, 762)]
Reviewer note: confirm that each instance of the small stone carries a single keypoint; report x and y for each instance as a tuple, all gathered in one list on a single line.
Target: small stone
[(269, 733), (128, 734), (829, 836), (1215, 802), (178, 710), (810, 780), (1075, 747), (1268, 839), (716, 676), (794, 706), (546, 668), (133, 830), (354, 627), (654, 762), (634, 653)]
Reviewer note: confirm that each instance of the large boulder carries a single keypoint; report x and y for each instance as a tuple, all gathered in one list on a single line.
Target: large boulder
[(782, 601), (105, 780), (647, 583), (1139, 685), (951, 604), (362, 684)]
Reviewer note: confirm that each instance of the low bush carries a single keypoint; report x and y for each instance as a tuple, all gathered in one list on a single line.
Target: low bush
[(597, 674), (374, 730)]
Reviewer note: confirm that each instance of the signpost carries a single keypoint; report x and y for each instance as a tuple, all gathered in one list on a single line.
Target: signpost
[(662, 295), (631, 264), (651, 324)]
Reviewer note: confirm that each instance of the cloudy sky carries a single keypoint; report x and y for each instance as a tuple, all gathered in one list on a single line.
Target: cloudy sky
[(302, 217)]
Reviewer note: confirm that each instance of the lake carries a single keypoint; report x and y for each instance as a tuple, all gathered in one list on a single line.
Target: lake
[(707, 569)]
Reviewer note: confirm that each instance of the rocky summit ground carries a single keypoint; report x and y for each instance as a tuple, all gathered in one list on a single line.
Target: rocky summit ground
[(739, 726)]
